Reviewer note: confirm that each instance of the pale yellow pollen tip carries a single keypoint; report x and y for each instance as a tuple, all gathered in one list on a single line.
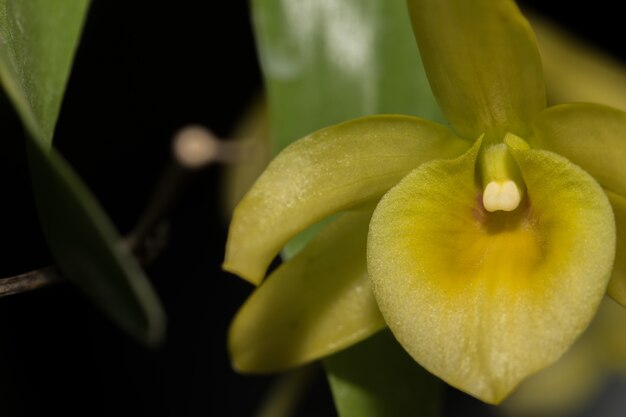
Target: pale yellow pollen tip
[(501, 195)]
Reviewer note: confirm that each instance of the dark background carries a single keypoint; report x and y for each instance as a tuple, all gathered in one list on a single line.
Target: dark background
[(141, 72)]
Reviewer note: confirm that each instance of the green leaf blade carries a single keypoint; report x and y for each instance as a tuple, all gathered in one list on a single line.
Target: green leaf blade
[(377, 378), (89, 251), (327, 62), (38, 39)]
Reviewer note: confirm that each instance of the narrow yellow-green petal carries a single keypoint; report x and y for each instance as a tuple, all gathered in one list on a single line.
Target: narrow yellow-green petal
[(482, 63), (590, 135), (480, 299), (333, 169), (313, 305), (617, 285)]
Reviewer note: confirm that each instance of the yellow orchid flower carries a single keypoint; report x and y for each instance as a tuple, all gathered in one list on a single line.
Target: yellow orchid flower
[(485, 249)]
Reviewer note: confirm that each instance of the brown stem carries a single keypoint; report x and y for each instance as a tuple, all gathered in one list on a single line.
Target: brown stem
[(29, 281), (194, 148)]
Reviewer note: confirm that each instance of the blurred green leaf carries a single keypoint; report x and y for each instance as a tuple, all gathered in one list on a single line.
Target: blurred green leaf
[(377, 378), (90, 251), (325, 62), (38, 39), (328, 61)]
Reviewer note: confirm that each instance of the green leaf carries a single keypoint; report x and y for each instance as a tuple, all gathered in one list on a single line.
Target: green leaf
[(37, 43), (377, 378), (89, 250), (329, 61)]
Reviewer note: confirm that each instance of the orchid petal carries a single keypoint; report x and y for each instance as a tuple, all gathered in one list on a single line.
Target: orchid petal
[(617, 285), (575, 71), (331, 170), (480, 299), (594, 137), (590, 135), (482, 62), (313, 305)]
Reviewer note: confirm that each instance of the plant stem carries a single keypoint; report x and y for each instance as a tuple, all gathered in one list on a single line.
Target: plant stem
[(194, 148), (29, 281)]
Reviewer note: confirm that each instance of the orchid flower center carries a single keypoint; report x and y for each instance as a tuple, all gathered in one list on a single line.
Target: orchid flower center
[(503, 186)]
